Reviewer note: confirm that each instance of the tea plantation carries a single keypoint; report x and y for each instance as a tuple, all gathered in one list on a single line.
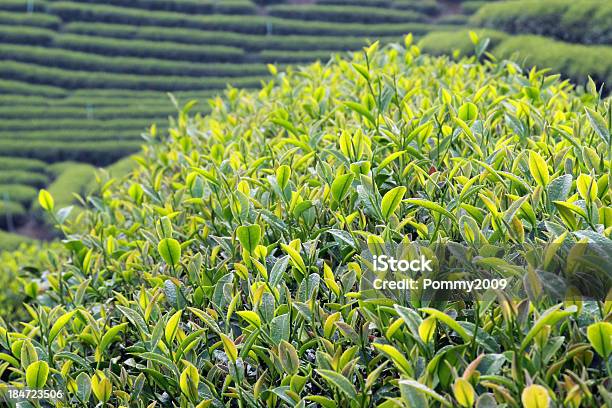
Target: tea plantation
[(226, 270), (81, 81)]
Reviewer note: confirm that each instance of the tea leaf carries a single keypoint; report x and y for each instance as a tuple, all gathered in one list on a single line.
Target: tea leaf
[(249, 236), (535, 396), (189, 381), (449, 321), (549, 317), (170, 251), (339, 381), (397, 357), (283, 173), (598, 124), (45, 199), (464, 392), (229, 347), (392, 200), (426, 390), (600, 337), (341, 186), (172, 326), (59, 324), (538, 169), (468, 112), (36, 374)]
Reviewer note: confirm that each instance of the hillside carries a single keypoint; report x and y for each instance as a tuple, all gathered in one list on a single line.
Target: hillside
[(232, 267), (81, 81)]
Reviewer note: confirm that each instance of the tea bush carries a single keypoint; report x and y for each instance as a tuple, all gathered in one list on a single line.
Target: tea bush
[(23, 88), (575, 61), (13, 163), (245, 41), (26, 35), (143, 66), (581, 21), (11, 213), (10, 298), (101, 153), (186, 6), (224, 270), (82, 79), (42, 20), (114, 125), (254, 24), (148, 49), (17, 193), (21, 5), (352, 14), (24, 177)]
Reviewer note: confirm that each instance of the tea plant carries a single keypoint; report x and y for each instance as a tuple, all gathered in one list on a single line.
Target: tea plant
[(224, 271)]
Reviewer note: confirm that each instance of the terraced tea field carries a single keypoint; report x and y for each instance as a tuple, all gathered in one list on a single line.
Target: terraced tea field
[(81, 81)]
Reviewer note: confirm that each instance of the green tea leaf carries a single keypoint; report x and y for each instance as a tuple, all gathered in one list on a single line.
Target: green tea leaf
[(59, 324), (538, 169), (45, 199), (600, 337), (249, 236), (548, 318), (449, 321), (598, 124), (535, 396), (341, 186), (468, 112), (339, 381), (283, 173), (170, 251), (36, 374), (426, 390), (464, 392), (172, 326), (391, 201)]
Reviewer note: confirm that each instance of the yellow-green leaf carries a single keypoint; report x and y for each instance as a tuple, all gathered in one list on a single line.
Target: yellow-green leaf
[(59, 324), (449, 321), (587, 187), (251, 317), (427, 329), (535, 396), (189, 382), (101, 386), (249, 236), (170, 250), (341, 186), (283, 173), (229, 347), (468, 112), (172, 326), (45, 199), (464, 392), (549, 317), (339, 381), (600, 337), (538, 169), (598, 123), (392, 200), (398, 358), (36, 374)]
